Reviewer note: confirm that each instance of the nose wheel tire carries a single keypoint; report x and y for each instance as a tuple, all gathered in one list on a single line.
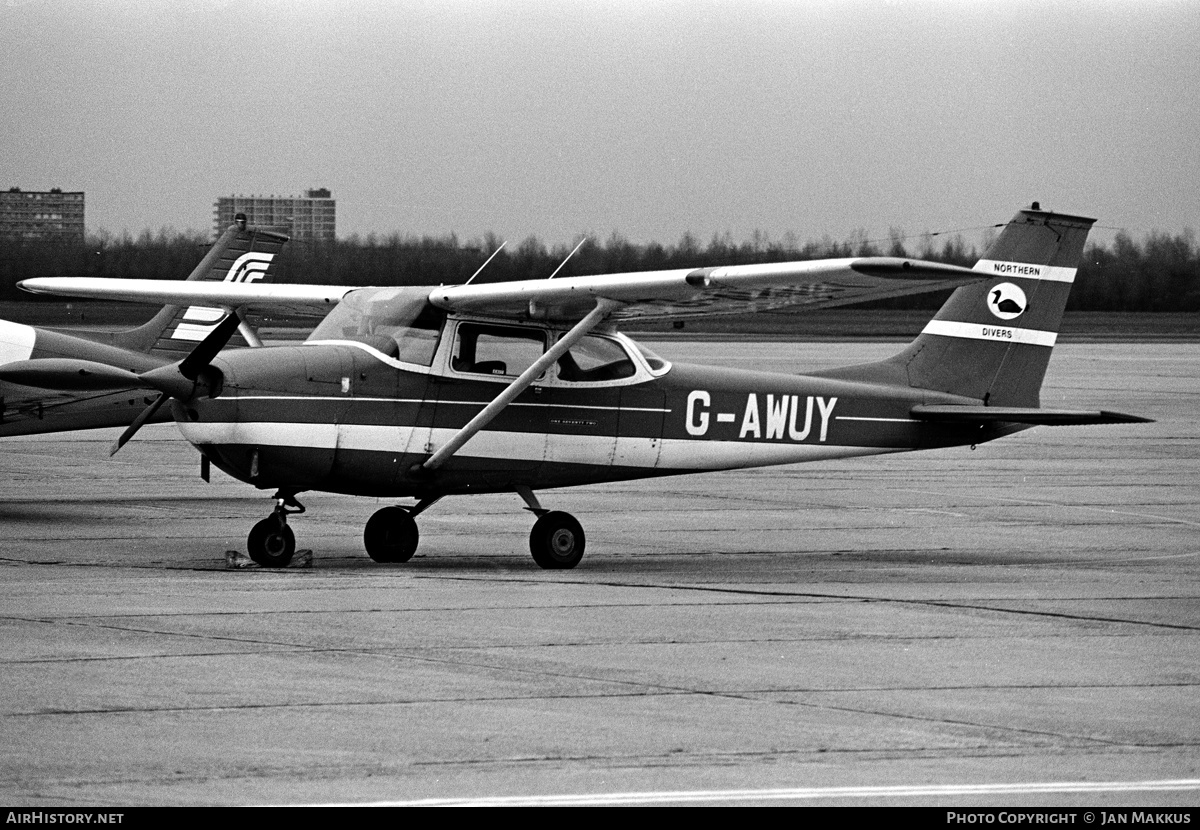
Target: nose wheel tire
[(391, 535), (271, 543), (556, 541)]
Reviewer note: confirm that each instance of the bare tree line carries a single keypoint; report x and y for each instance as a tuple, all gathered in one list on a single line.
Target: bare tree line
[(1160, 272)]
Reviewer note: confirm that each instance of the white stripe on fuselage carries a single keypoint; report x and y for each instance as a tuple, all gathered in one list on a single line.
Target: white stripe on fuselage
[(433, 401), (597, 450), (16, 342)]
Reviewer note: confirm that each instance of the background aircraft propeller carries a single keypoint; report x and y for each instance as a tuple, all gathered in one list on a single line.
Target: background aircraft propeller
[(190, 377)]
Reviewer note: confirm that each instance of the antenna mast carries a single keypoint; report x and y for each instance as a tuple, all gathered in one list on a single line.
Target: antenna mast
[(564, 262), (486, 261)]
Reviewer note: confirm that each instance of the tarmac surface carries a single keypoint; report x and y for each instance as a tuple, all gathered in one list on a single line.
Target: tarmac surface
[(1014, 625)]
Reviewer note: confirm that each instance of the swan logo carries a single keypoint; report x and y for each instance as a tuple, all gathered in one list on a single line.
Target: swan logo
[(1007, 301)]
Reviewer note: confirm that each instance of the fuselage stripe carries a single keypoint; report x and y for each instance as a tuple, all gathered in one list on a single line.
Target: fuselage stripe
[(639, 452), (880, 420), (355, 399)]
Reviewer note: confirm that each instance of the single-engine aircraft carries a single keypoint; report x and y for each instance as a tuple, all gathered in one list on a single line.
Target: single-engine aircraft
[(240, 254), (522, 386)]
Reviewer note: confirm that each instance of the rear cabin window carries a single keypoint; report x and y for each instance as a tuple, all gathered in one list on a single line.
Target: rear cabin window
[(595, 359), (496, 350)]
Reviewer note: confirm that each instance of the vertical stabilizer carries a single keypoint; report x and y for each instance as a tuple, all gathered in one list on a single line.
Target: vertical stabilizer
[(992, 339), (241, 254)]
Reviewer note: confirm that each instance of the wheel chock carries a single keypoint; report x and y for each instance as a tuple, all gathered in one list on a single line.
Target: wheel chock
[(236, 560), (301, 559)]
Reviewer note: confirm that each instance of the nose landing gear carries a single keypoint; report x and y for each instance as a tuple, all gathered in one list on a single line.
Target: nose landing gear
[(271, 542)]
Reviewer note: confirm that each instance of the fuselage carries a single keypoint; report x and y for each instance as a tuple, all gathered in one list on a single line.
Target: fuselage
[(343, 416), (28, 410)]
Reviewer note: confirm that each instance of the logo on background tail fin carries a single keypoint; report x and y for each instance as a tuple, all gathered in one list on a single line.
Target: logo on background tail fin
[(198, 321), (242, 254)]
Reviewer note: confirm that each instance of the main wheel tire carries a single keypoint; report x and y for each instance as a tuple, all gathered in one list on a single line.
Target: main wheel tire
[(271, 543), (391, 535), (556, 541)]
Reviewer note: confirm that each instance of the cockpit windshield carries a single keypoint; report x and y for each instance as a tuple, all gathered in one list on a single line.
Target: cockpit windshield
[(657, 365), (400, 322)]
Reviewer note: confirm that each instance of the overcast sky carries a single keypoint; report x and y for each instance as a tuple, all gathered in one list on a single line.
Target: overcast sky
[(646, 118)]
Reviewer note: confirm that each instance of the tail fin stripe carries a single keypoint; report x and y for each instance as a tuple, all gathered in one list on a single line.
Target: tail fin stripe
[(204, 314), (1003, 334), (1053, 273)]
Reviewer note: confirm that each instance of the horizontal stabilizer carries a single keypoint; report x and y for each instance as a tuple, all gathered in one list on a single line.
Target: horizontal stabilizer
[(1021, 415)]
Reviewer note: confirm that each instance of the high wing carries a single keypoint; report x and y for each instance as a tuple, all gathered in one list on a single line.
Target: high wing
[(694, 292), (646, 295)]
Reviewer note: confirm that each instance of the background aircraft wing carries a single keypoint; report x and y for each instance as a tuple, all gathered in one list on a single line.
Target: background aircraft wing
[(696, 292), (184, 293)]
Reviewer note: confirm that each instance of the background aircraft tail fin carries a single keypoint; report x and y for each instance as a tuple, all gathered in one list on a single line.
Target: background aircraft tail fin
[(992, 340), (240, 254)]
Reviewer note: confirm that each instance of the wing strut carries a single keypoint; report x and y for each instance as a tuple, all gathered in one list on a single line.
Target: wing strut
[(603, 308), (247, 331)]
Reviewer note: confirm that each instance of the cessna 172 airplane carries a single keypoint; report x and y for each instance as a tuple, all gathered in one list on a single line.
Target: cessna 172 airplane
[(522, 386), (240, 254)]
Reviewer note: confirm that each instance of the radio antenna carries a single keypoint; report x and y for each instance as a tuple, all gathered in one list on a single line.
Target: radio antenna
[(564, 262), (486, 261)]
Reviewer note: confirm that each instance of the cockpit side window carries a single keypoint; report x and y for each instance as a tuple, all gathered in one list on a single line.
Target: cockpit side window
[(496, 350), (595, 359)]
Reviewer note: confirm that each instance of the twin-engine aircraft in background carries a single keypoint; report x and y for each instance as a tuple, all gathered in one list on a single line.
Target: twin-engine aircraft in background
[(241, 254), (522, 386)]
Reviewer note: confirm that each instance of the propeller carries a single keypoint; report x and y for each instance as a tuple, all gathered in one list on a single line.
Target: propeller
[(138, 422), (190, 377)]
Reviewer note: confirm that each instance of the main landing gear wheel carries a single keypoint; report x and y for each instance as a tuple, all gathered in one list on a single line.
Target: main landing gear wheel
[(391, 535), (556, 541), (271, 542)]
